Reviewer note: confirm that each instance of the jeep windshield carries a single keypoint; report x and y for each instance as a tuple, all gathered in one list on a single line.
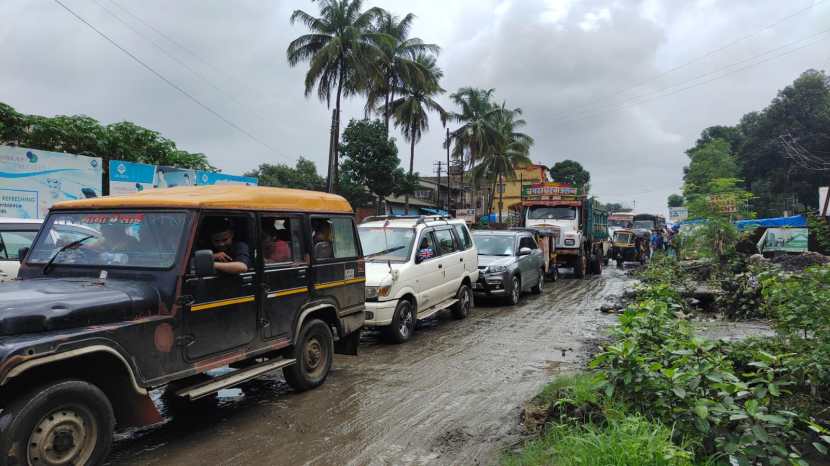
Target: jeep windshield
[(107, 239), (386, 244), (551, 213)]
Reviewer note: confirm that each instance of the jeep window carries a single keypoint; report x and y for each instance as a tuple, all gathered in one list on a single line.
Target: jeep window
[(463, 236), (13, 241), (333, 238), (125, 239), (495, 245), (446, 241), (282, 240), (386, 244), (552, 213)]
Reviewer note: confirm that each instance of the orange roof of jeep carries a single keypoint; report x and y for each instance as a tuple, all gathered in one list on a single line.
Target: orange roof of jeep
[(219, 196)]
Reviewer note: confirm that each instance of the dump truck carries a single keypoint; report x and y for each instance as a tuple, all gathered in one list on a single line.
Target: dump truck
[(582, 223)]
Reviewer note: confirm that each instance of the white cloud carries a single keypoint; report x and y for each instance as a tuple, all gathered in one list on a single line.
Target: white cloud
[(592, 20)]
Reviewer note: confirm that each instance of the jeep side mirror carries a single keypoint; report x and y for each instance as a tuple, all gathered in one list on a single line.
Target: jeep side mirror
[(203, 263), (22, 253), (419, 258), (525, 251)]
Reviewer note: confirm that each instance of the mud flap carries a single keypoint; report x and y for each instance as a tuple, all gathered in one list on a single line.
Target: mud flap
[(349, 344), (135, 410)]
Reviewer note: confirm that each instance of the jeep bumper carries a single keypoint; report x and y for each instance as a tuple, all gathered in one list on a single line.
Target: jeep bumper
[(380, 313)]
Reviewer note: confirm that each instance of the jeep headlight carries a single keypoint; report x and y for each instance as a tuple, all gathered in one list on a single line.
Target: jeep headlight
[(496, 269)]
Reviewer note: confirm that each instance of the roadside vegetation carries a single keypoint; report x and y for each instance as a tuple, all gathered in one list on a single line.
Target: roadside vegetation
[(660, 394)]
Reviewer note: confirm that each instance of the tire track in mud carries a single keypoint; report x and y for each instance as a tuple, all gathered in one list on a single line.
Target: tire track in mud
[(452, 395)]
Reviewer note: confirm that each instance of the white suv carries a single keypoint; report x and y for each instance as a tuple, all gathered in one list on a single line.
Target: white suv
[(416, 267)]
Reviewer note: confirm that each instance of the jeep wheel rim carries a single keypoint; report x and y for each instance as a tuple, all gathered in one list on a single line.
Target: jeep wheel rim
[(314, 357), (67, 435), (406, 321), (465, 301)]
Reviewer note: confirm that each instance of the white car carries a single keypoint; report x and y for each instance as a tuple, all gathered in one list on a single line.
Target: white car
[(15, 234), (416, 267)]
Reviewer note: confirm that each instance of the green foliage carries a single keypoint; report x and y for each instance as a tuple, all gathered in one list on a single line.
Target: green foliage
[(800, 114), (570, 171), (717, 236), (79, 134), (800, 304), (709, 162), (676, 200), (820, 233), (369, 160), (628, 441), (302, 176)]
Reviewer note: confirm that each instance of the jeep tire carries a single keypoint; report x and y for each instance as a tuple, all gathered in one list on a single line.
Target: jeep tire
[(313, 351), (403, 323), (61, 423)]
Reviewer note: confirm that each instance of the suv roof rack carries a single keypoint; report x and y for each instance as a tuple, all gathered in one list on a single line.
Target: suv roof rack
[(420, 219)]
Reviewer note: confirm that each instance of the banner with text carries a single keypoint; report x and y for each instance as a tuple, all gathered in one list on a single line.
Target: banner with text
[(131, 177), (31, 180)]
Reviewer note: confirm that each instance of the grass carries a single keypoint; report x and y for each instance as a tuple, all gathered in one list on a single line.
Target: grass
[(628, 441)]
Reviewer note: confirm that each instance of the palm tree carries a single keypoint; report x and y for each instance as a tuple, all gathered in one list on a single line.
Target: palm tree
[(411, 110), (396, 66), (340, 49), (511, 151), (478, 133)]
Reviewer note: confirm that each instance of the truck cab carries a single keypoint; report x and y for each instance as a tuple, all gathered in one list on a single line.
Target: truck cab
[(121, 295)]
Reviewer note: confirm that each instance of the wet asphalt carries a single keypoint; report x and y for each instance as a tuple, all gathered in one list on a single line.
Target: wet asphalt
[(451, 395)]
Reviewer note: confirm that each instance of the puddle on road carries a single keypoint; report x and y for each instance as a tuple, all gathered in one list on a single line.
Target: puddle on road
[(451, 395)]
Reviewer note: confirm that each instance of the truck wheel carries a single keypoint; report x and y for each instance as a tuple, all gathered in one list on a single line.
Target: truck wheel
[(540, 285), (596, 264), (313, 351), (515, 291), (403, 323), (63, 423), (581, 266), (461, 309)]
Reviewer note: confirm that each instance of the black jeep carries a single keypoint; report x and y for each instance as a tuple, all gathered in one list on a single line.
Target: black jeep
[(121, 295)]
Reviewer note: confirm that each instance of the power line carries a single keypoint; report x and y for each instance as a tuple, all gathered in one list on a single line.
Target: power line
[(183, 47), (169, 82), (725, 73), (702, 57)]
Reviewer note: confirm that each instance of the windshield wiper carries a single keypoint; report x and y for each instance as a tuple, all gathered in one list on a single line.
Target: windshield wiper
[(63, 248), (385, 251)]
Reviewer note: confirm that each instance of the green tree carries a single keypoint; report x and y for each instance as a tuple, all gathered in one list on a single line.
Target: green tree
[(571, 171), (370, 162), (302, 176), (512, 151), (397, 66), (675, 200), (719, 202), (411, 109), (617, 207), (710, 161), (478, 134), (340, 50)]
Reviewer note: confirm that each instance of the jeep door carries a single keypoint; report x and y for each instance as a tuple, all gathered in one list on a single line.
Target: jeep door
[(222, 311), (285, 272), (339, 270), (451, 261)]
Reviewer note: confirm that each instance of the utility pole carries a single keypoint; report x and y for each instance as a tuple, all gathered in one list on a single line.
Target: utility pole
[(449, 179), (438, 190)]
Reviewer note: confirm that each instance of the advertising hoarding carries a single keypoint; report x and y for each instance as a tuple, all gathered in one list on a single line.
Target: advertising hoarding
[(678, 214), (784, 240), (31, 180), (549, 189), (130, 177)]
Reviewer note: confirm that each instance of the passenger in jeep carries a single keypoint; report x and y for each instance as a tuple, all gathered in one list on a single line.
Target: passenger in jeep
[(229, 256)]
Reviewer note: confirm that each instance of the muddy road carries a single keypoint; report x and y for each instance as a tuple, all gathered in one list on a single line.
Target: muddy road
[(452, 395)]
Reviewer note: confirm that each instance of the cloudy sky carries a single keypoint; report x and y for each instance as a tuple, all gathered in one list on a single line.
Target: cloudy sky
[(623, 87)]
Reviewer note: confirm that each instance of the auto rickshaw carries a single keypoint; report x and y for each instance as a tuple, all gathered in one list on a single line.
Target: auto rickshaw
[(631, 246), (546, 239)]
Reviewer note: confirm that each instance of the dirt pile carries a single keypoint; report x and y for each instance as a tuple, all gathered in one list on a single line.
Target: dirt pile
[(797, 263)]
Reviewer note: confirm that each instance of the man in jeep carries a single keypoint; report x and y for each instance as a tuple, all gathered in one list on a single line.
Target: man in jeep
[(233, 257)]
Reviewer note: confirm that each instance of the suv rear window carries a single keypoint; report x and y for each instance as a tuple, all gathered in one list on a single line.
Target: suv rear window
[(463, 236)]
